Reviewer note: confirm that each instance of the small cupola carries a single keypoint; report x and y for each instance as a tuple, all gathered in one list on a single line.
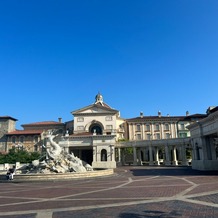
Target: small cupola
[(98, 98)]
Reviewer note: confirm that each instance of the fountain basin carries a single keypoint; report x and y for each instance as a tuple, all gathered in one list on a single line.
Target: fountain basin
[(59, 176)]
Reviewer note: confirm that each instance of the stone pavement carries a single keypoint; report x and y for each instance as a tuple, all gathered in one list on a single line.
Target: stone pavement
[(132, 192)]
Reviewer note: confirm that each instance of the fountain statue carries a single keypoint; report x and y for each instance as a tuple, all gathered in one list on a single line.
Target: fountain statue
[(57, 160)]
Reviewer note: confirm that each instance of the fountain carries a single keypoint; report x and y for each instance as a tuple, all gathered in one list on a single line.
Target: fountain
[(58, 164), (58, 161)]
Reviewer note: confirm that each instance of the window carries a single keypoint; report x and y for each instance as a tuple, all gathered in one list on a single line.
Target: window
[(108, 118), (138, 136), (35, 139), (147, 127), (157, 136), (109, 127), (148, 136), (182, 126), (21, 139), (167, 135), (166, 127), (157, 127), (138, 127), (183, 135), (80, 127), (80, 119)]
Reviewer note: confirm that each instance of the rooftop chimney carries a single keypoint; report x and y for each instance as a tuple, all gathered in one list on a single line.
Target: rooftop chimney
[(141, 114), (60, 120), (187, 113), (159, 114)]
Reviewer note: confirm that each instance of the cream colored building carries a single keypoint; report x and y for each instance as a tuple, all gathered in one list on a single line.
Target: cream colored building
[(96, 128), (160, 127), (204, 140)]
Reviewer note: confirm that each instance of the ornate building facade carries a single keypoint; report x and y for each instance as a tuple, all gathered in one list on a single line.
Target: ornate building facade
[(98, 135)]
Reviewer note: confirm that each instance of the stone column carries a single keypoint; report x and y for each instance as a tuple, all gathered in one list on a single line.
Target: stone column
[(175, 161), (151, 161), (184, 158), (119, 155), (94, 154), (167, 161), (143, 131), (139, 157), (213, 148), (112, 151), (202, 149), (122, 157), (157, 162), (134, 156), (144, 155)]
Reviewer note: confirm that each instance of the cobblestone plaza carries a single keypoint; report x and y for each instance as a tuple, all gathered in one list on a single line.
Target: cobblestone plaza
[(133, 191)]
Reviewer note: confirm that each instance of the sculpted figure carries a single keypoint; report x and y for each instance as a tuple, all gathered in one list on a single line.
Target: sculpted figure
[(58, 160), (55, 150)]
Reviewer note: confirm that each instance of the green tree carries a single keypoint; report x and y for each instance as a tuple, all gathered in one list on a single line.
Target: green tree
[(21, 156)]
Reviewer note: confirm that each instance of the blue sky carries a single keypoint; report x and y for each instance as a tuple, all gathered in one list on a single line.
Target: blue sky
[(144, 55)]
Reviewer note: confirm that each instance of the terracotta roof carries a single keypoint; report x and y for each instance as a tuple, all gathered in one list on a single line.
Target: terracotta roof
[(8, 117), (25, 132), (43, 123)]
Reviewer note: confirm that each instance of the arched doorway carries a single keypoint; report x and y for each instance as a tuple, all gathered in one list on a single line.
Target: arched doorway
[(95, 128)]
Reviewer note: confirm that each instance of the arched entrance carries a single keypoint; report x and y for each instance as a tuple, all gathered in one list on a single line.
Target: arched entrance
[(96, 128)]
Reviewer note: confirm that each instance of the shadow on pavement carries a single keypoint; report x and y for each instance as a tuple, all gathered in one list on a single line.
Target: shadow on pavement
[(151, 214), (183, 171)]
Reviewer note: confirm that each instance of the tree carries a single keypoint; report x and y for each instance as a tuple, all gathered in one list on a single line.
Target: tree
[(21, 156)]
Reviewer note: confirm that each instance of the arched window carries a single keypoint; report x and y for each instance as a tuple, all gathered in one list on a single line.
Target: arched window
[(96, 129), (13, 139), (103, 155)]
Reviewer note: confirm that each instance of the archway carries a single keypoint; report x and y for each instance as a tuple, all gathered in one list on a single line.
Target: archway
[(95, 128)]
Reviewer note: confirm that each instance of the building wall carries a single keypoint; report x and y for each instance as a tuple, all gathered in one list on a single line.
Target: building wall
[(149, 130), (31, 142), (6, 125), (82, 123)]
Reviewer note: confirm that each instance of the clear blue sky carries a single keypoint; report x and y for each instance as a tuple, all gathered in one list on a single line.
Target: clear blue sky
[(144, 55)]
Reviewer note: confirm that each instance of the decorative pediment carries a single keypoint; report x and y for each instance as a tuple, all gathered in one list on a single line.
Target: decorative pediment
[(95, 109)]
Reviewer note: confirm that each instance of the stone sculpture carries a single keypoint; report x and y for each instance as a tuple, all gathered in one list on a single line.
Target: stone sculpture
[(58, 160)]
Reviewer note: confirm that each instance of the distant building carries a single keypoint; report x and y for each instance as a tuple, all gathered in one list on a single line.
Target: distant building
[(7, 124), (32, 137), (160, 127)]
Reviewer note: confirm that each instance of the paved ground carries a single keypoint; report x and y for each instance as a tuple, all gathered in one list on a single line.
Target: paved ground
[(132, 192)]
